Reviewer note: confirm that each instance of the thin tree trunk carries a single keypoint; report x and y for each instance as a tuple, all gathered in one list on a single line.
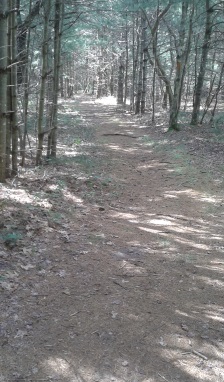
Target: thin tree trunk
[(9, 100), (140, 70), (144, 67), (204, 57), (13, 86), (126, 63), (135, 54), (23, 27), (120, 84), (26, 96), (111, 81), (159, 68), (217, 93), (47, 8), (154, 66), (3, 86), (183, 51), (58, 26)]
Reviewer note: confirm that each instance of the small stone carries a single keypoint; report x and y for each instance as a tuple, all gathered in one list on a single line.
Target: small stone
[(125, 363), (185, 327), (66, 291), (109, 243), (191, 334), (114, 315), (35, 370)]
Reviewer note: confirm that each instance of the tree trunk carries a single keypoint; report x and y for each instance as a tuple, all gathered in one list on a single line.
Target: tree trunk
[(140, 70), (23, 27), (183, 50), (26, 96), (154, 68), (126, 63), (120, 84), (144, 66), (13, 89), (204, 57), (156, 62), (216, 94), (135, 54), (58, 26), (47, 8), (3, 86)]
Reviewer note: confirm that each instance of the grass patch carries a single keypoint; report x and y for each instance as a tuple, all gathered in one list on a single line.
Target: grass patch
[(10, 238), (147, 140), (218, 134), (55, 216)]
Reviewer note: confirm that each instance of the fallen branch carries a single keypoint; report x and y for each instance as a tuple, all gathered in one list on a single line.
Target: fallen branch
[(123, 135), (163, 377), (200, 355)]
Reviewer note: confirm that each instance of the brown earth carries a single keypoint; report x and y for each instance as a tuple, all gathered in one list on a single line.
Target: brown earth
[(111, 258)]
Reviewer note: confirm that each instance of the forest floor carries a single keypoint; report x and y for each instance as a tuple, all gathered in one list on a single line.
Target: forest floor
[(112, 256)]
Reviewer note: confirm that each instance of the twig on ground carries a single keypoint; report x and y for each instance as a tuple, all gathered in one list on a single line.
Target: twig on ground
[(117, 283), (163, 377), (121, 134), (200, 355)]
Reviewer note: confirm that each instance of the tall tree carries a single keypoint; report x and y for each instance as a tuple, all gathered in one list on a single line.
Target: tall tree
[(140, 86), (45, 47), (182, 54), (12, 86), (58, 29), (23, 28), (3, 86), (202, 70)]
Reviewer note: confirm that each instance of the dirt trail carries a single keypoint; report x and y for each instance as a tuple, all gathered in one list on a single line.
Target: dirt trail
[(118, 274)]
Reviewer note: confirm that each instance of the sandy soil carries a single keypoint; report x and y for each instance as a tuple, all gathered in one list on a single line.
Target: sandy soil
[(111, 258)]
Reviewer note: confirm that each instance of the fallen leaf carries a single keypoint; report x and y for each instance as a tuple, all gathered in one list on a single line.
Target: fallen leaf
[(66, 291), (185, 327), (21, 334), (6, 286), (27, 267)]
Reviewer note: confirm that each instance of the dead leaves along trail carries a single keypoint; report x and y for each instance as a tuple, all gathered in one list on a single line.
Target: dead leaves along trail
[(112, 278)]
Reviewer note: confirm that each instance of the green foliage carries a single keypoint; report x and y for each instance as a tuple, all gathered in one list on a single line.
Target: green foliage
[(85, 161), (10, 238), (77, 141), (147, 140), (55, 216), (218, 123)]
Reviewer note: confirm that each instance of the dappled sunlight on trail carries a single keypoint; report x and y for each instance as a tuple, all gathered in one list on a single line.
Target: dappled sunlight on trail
[(119, 272)]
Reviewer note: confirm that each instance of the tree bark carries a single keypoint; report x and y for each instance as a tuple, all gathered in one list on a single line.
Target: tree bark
[(23, 27), (183, 50), (3, 86), (135, 54), (201, 75), (47, 8), (140, 70), (58, 26), (13, 88), (120, 84), (144, 66), (26, 96), (156, 63)]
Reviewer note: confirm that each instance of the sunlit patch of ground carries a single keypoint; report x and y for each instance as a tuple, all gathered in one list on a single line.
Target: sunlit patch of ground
[(23, 197)]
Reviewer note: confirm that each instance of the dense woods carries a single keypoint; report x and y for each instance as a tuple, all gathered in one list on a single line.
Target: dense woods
[(151, 55)]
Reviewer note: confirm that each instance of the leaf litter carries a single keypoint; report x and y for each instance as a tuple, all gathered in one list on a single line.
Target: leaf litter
[(87, 245)]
